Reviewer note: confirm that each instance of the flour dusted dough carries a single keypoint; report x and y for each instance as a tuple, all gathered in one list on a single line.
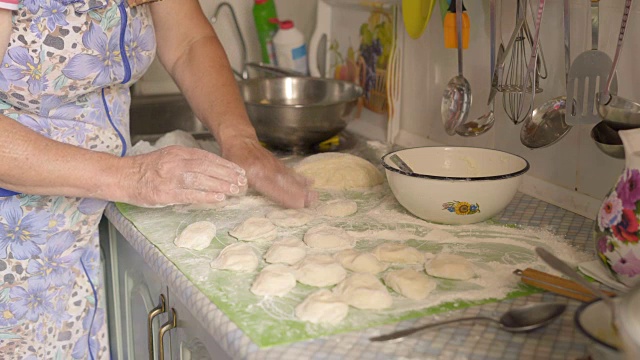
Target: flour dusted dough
[(290, 217), (450, 266), (255, 229), (336, 171), (196, 236), (319, 270), (328, 238), (236, 257), (288, 250), (357, 261), (363, 291), (274, 280), (410, 283), (398, 253), (338, 208), (438, 235), (177, 137), (322, 306)]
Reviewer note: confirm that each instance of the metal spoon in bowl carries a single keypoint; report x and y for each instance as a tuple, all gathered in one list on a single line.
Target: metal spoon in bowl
[(618, 112), (401, 164), (456, 100), (518, 320)]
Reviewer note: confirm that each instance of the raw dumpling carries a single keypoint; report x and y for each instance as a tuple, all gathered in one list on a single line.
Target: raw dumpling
[(289, 251), (255, 229), (236, 257), (290, 217), (360, 261), (274, 280), (450, 266), (410, 283), (398, 253), (364, 291), (320, 270), (196, 236), (338, 208), (328, 238), (337, 171), (322, 306)]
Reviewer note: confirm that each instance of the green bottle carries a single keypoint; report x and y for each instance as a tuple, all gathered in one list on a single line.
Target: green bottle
[(265, 18)]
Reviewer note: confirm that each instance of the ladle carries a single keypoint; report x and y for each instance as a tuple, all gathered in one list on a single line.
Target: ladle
[(522, 319), (617, 112), (546, 124), (456, 99), (485, 122)]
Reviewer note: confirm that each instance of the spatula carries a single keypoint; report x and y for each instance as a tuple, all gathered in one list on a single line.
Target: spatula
[(588, 70)]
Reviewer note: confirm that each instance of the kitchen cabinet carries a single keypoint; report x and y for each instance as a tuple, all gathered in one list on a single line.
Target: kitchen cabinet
[(140, 303)]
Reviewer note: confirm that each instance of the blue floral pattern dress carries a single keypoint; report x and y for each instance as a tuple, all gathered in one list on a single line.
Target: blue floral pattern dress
[(66, 75)]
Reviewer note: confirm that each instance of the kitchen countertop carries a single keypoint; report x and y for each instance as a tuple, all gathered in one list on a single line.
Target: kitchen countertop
[(481, 340)]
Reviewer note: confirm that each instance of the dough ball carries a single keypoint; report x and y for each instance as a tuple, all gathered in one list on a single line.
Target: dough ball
[(328, 237), (289, 251), (289, 217), (398, 253), (319, 270), (337, 171), (177, 137), (274, 280), (450, 266), (236, 257), (322, 306), (196, 236), (410, 283), (360, 261), (364, 291), (255, 229), (338, 208)]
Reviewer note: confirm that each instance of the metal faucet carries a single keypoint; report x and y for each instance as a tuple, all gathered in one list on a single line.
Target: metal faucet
[(245, 73)]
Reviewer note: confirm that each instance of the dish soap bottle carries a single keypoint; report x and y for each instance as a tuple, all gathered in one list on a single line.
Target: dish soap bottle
[(291, 50), (450, 35), (264, 16)]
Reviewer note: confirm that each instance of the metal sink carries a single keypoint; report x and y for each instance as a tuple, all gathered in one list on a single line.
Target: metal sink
[(155, 115)]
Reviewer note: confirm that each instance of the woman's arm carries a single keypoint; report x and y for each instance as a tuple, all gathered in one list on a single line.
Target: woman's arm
[(33, 164), (191, 52)]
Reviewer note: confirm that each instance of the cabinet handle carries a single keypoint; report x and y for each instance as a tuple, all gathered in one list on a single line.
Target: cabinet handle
[(173, 322), (153, 313)]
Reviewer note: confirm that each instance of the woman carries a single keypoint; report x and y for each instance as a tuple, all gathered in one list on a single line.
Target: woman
[(64, 98)]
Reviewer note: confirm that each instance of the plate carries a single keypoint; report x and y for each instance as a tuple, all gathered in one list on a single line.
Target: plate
[(416, 14)]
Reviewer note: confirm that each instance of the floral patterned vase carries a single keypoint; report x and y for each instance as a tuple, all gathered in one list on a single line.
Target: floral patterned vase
[(617, 229)]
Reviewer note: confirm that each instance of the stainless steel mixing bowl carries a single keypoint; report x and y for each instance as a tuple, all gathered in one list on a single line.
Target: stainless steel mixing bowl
[(295, 113)]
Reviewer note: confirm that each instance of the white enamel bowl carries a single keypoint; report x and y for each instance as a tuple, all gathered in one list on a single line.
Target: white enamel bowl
[(594, 321), (455, 185)]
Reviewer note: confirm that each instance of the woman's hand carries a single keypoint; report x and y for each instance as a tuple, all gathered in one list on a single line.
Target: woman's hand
[(270, 176), (181, 175)]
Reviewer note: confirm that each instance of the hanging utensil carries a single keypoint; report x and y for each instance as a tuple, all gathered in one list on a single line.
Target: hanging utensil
[(513, 82), (546, 125), (618, 112), (588, 71), (456, 100), (485, 122)]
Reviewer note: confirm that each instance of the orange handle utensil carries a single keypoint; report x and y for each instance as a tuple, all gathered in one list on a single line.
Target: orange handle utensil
[(556, 284)]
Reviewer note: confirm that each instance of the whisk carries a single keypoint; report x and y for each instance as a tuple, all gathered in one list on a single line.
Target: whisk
[(514, 79)]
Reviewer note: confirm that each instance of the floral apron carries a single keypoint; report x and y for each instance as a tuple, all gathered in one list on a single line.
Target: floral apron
[(66, 75)]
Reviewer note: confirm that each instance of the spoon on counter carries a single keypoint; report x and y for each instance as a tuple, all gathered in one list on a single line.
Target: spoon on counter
[(523, 319)]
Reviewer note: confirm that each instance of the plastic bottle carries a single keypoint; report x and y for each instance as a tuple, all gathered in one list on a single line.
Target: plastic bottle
[(265, 18), (450, 33), (291, 50)]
